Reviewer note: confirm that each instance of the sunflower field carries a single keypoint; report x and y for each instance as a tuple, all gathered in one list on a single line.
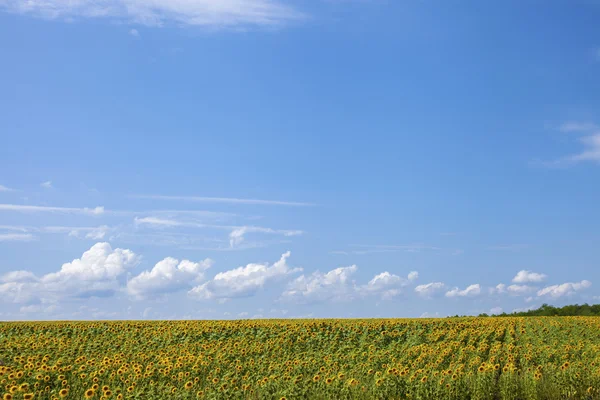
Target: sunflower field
[(453, 358)]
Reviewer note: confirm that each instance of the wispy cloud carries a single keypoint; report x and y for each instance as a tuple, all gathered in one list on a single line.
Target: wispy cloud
[(6, 189), (509, 247), (590, 141), (363, 249), (226, 200), (210, 13), (95, 233), (46, 185), (236, 236), (574, 126), (39, 209), (16, 237)]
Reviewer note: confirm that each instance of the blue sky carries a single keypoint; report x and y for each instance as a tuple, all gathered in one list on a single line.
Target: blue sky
[(260, 158)]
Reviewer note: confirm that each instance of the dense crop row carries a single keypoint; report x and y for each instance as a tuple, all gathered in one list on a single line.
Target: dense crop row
[(471, 358)]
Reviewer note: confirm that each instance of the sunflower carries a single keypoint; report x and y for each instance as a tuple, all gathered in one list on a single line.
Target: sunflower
[(28, 396), (188, 385), (7, 396), (329, 381), (215, 380), (424, 379), (316, 378), (63, 392), (89, 393)]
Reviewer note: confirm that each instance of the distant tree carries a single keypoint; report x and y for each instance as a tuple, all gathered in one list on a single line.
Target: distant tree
[(546, 310)]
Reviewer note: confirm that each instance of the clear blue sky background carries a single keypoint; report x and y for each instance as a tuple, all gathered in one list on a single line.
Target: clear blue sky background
[(454, 139)]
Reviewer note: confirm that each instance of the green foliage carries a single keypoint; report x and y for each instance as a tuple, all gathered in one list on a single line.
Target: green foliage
[(545, 310)]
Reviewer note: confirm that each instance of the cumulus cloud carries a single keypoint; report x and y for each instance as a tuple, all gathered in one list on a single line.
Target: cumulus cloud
[(520, 289), (496, 311), (97, 273), (243, 281), (565, 289), (499, 289), (318, 287), (167, 276), (387, 285), (134, 33), (525, 276), (472, 290), (214, 13), (336, 285), (429, 289)]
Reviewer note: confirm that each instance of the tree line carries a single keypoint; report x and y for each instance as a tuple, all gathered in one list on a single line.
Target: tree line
[(546, 310)]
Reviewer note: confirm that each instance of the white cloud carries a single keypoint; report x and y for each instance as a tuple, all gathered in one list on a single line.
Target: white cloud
[(334, 285), (167, 276), (520, 290), (97, 273), (430, 315), (525, 276), (429, 289), (237, 236), (565, 289), (215, 13), (64, 210), (97, 233), (574, 126), (147, 311), (38, 308), (243, 281), (524, 309), (226, 200), (18, 277), (591, 150), (590, 142), (134, 33), (16, 237), (472, 290), (387, 285), (157, 221), (47, 184), (499, 289), (94, 233), (496, 311), (5, 189)]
